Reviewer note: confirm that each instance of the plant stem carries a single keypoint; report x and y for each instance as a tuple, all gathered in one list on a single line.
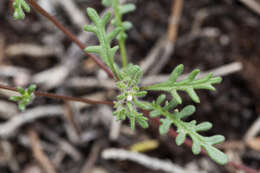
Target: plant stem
[(123, 51), (71, 36), (119, 23), (61, 97)]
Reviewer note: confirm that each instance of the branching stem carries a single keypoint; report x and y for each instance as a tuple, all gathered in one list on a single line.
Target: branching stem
[(61, 97), (71, 36)]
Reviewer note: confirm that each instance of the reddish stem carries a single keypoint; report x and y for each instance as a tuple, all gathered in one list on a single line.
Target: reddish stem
[(71, 36), (61, 97)]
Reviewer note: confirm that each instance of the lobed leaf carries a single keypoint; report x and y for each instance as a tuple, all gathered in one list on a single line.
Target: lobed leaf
[(124, 9), (190, 129), (104, 50), (120, 10), (107, 2), (165, 125), (189, 85), (19, 7)]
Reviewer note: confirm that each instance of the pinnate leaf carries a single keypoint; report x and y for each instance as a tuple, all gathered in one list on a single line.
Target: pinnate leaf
[(19, 7), (189, 85)]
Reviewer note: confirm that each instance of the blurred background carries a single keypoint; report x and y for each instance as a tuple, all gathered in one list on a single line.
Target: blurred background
[(51, 136)]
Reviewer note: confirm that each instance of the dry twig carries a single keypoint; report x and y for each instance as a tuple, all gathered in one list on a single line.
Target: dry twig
[(253, 5), (9, 128), (39, 153), (149, 162), (88, 165), (32, 50)]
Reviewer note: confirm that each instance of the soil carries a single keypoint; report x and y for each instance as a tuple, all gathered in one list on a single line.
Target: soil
[(232, 108)]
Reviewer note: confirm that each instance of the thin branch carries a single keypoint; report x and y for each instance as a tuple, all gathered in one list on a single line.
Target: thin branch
[(61, 97), (71, 36)]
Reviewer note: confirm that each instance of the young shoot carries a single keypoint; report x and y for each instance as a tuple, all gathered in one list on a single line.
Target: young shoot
[(26, 96)]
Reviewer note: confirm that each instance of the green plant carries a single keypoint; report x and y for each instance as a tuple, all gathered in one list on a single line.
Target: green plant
[(19, 7), (119, 11), (188, 85), (127, 103), (25, 98), (186, 128), (127, 78)]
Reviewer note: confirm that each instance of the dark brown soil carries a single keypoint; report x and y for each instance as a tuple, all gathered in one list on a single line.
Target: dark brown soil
[(232, 109)]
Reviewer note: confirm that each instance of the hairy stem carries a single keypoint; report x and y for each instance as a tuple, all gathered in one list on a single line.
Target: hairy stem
[(118, 19), (123, 51), (71, 36)]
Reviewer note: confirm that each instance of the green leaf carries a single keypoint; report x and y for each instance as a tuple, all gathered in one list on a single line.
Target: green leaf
[(141, 93), (22, 107), (25, 98), (165, 126), (127, 25), (176, 73), (190, 129), (189, 85), (217, 155), (155, 113), (107, 2), (94, 49), (142, 121), (176, 96), (193, 95), (133, 115), (31, 88), (180, 138), (127, 8), (21, 90), (132, 123), (19, 7), (203, 126), (142, 105), (120, 113), (196, 148), (216, 139), (114, 33), (160, 99), (15, 98), (186, 111), (104, 50), (172, 104)]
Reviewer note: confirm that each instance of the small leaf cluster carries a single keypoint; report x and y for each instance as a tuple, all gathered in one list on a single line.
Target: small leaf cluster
[(185, 129), (25, 98), (120, 11), (129, 94), (104, 50), (19, 7), (189, 85)]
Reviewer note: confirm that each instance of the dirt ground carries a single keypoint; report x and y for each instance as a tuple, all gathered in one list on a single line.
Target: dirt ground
[(69, 137)]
